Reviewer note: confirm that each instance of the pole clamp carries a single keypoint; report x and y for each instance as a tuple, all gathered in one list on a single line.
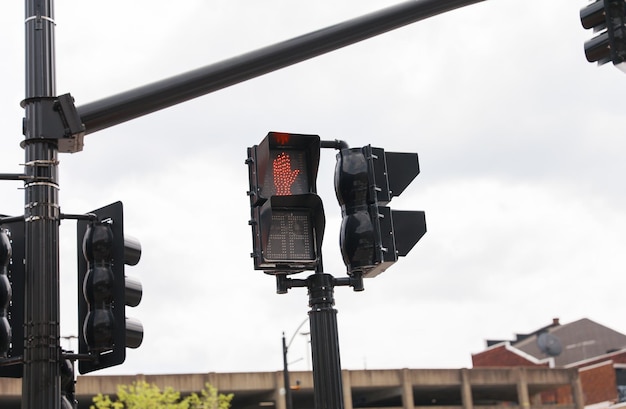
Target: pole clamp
[(59, 120)]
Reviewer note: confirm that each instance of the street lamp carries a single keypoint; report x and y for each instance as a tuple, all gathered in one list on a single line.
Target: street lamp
[(307, 334), (287, 382)]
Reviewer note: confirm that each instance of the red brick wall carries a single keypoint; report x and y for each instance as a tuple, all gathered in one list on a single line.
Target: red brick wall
[(564, 395), (500, 357), (619, 358), (599, 383)]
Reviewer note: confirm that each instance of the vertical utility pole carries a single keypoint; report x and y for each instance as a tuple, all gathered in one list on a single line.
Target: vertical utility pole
[(41, 385), (288, 397), (327, 382)]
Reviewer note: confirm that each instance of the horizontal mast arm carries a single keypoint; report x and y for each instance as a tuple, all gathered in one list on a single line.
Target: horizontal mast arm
[(140, 101)]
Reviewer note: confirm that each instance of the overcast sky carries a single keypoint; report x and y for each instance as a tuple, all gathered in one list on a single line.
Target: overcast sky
[(520, 148)]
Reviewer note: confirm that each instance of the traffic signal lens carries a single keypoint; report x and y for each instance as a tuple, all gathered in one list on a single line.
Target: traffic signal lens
[(358, 240), (5, 294), (98, 286), (290, 236), (98, 243), (352, 178), (98, 329), (288, 173), (5, 326), (5, 249), (593, 15)]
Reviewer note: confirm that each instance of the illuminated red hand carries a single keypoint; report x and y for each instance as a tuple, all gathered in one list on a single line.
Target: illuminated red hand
[(284, 176)]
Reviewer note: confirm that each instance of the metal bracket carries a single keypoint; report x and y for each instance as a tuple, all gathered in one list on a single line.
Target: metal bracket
[(336, 144), (10, 219), (60, 121), (13, 176), (18, 360), (284, 283), (88, 216)]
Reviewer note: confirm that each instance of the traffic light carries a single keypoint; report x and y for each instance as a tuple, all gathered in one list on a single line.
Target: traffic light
[(287, 216), (12, 297), (608, 17), (104, 290), (373, 235)]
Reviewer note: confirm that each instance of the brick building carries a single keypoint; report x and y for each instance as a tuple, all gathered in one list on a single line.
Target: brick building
[(598, 352)]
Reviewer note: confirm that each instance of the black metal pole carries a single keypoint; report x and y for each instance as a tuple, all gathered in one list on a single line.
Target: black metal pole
[(41, 385), (327, 383), (287, 382), (140, 101)]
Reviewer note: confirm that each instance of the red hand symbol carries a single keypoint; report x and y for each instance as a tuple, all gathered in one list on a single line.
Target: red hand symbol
[(284, 176)]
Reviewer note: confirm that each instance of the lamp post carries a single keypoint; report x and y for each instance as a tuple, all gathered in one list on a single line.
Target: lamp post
[(287, 382)]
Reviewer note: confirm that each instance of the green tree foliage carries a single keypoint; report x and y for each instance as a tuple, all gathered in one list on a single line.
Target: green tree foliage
[(142, 395)]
